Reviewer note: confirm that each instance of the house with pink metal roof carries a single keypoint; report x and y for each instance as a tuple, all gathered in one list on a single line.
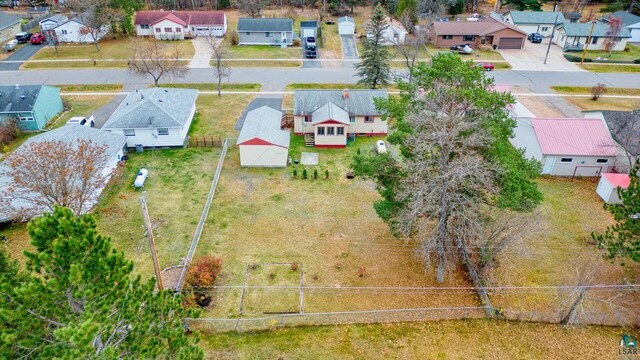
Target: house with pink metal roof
[(567, 147), (609, 185)]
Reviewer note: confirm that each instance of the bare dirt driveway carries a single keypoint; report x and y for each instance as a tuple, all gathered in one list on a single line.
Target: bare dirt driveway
[(531, 58)]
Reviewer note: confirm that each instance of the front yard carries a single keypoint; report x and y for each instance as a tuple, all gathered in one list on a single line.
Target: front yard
[(630, 55), (603, 103)]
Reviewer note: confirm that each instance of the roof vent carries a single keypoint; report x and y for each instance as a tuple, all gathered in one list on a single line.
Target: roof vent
[(345, 93), (16, 86), (159, 100), (165, 90), (22, 97)]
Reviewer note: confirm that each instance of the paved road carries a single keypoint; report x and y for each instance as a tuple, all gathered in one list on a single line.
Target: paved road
[(275, 79), (21, 54), (349, 50)]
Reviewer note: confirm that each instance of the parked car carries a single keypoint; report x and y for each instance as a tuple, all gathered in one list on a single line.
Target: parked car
[(23, 37), (462, 49), (141, 178), (329, 21), (486, 65), (474, 17), (83, 121), (310, 41), (310, 53), (37, 39), (10, 46), (535, 38)]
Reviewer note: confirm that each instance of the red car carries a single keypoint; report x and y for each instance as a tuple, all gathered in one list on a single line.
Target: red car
[(486, 65), (37, 39)]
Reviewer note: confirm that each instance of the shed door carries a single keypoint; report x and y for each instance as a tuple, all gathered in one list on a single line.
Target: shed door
[(306, 32), (510, 43)]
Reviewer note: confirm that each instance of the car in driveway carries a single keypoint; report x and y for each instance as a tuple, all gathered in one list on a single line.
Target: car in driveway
[(487, 66), (37, 39), (535, 38), (310, 41), (82, 121), (23, 37), (310, 53), (10, 46)]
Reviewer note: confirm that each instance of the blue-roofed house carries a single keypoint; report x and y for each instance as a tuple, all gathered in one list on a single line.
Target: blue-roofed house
[(267, 31), (574, 36), (155, 117), (32, 106), (631, 21)]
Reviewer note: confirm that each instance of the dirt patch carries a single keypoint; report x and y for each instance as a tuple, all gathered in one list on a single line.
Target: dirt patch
[(540, 106), (170, 276)]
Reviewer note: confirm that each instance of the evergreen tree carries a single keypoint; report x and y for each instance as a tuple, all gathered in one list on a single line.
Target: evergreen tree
[(373, 68), (79, 299), (623, 239), (406, 5), (535, 5)]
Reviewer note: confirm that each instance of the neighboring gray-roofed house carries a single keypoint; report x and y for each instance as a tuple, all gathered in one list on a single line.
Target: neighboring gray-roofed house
[(534, 21), (70, 134), (154, 117), (265, 31), (573, 36), (326, 117), (261, 141), (9, 26), (626, 17)]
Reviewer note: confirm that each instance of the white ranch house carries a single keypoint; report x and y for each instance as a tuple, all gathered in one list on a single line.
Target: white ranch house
[(74, 31), (156, 117), (171, 25), (328, 117), (574, 36)]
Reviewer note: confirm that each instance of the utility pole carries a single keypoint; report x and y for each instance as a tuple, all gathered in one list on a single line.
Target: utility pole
[(586, 46), (152, 242), (553, 32)]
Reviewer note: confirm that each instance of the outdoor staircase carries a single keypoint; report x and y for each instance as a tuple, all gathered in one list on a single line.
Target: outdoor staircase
[(309, 140)]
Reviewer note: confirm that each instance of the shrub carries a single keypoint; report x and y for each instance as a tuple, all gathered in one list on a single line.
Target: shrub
[(315, 174), (234, 38), (574, 58), (304, 174), (9, 131), (362, 271), (295, 42), (636, 61), (203, 273), (326, 174), (598, 90), (294, 266), (295, 173)]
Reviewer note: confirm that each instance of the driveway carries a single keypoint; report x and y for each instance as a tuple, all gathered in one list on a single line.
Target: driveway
[(309, 63), (349, 50), (275, 103), (24, 53), (202, 54), (531, 58)]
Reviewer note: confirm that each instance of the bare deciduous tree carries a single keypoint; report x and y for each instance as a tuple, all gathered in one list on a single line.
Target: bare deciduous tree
[(96, 16), (413, 45), (157, 59), (48, 173), (250, 7), (219, 52)]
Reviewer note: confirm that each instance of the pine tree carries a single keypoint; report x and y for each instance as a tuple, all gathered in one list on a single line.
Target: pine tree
[(79, 299), (373, 68), (623, 239)]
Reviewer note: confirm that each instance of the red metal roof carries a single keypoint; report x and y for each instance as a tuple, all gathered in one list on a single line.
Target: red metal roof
[(188, 17), (170, 17), (580, 137), (618, 180)]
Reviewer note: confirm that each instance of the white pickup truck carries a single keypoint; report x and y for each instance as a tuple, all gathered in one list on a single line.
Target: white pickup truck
[(83, 121)]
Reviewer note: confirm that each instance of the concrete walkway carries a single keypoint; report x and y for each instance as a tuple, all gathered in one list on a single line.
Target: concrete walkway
[(202, 55)]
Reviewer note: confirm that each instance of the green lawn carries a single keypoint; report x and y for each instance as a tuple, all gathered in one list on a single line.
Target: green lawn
[(632, 54), (214, 87), (587, 90), (92, 88), (217, 115), (472, 339), (603, 103), (261, 63), (109, 49), (263, 52), (611, 68)]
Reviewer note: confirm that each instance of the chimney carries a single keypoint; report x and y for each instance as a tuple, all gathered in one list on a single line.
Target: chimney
[(16, 86), (345, 93)]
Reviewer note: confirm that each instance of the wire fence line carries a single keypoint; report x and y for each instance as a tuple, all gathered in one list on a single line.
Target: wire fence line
[(203, 216)]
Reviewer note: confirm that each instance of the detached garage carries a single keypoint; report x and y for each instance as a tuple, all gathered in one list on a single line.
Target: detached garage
[(609, 184), (346, 26), (261, 141)]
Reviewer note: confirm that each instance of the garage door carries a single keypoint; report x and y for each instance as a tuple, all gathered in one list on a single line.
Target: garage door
[(306, 32), (510, 43)]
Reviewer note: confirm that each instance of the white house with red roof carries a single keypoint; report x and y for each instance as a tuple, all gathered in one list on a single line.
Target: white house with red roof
[(171, 25), (567, 147), (609, 185), (262, 142)]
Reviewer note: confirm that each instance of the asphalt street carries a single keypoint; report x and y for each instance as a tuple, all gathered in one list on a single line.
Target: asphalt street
[(275, 79)]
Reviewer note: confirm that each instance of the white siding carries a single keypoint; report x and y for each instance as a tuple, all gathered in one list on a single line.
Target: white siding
[(177, 30), (580, 166), (71, 32), (263, 156), (358, 127), (149, 137), (346, 28), (560, 38), (330, 140), (607, 192), (635, 35), (144, 32)]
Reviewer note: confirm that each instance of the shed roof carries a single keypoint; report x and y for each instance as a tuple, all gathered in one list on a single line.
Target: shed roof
[(624, 126), (309, 24), (573, 136), (359, 102), (626, 17), (536, 17), (618, 180), (7, 20), (583, 29), (479, 28), (153, 108), (330, 111), (188, 17), (266, 24), (11, 99), (345, 19), (263, 123)]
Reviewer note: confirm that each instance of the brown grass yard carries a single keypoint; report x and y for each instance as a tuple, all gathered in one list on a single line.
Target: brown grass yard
[(217, 115), (109, 49), (214, 86), (471, 339), (587, 90), (176, 191), (262, 63), (585, 103), (91, 88), (611, 68)]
